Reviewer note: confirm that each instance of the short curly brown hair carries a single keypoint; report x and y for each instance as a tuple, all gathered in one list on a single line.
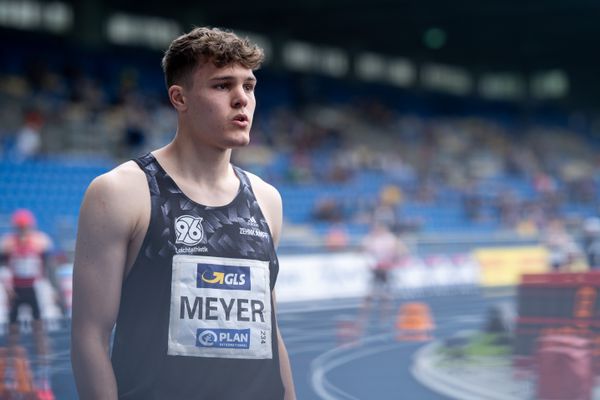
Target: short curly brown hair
[(202, 45)]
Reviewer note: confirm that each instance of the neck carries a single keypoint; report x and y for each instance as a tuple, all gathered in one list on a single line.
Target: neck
[(191, 161)]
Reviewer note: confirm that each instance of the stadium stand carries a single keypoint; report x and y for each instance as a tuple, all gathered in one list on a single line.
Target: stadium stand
[(332, 161)]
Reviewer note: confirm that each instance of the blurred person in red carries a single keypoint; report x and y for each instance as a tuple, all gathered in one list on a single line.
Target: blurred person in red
[(25, 252)]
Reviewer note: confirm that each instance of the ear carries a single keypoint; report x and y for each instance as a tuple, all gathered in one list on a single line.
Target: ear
[(177, 97)]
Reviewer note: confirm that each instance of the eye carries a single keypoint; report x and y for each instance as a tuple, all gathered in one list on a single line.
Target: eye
[(221, 86), (249, 87)]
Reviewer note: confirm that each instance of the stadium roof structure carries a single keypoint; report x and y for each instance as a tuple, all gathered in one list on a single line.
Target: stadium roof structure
[(522, 35), (526, 38)]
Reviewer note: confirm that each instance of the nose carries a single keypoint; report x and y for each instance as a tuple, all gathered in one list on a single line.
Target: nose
[(239, 97)]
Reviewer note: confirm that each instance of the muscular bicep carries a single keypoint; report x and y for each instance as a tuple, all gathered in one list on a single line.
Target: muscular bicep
[(100, 257)]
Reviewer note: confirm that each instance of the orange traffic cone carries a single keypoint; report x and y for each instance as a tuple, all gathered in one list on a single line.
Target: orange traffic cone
[(23, 378), (414, 322), (24, 383)]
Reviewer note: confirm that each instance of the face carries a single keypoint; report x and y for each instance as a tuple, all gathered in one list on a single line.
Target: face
[(22, 230), (218, 105)]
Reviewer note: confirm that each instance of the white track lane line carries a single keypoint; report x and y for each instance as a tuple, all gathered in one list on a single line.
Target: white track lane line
[(339, 356)]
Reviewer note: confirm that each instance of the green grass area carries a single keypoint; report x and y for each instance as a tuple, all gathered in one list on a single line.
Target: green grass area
[(488, 344), (478, 344)]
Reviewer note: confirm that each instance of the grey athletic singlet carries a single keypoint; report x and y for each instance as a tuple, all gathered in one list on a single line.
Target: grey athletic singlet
[(196, 319)]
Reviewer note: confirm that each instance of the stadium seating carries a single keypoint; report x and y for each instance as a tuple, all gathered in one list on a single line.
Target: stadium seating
[(453, 171)]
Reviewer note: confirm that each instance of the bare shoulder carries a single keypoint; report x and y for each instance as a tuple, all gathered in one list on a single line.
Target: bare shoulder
[(120, 178), (122, 182), (117, 194)]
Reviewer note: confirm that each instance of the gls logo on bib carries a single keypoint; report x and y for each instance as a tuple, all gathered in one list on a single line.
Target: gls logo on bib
[(188, 230), (223, 277)]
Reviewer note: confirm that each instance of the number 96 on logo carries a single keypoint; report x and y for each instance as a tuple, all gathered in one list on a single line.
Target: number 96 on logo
[(188, 230)]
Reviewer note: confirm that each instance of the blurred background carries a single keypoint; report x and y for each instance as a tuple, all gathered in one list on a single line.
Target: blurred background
[(468, 130)]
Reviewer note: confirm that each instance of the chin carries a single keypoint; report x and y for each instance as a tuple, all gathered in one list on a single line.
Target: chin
[(240, 141)]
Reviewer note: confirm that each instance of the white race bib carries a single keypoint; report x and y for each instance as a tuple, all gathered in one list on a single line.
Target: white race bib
[(27, 267), (220, 307)]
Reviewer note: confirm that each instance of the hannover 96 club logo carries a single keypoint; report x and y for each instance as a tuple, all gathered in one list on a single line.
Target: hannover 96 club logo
[(188, 230)]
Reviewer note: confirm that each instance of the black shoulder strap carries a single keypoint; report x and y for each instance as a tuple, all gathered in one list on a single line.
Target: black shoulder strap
[(148, 164), (243, 177), (144, 161)]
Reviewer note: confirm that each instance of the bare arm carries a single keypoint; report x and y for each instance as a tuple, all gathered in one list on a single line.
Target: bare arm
[(271, 205), (105, 229), (284, 365)]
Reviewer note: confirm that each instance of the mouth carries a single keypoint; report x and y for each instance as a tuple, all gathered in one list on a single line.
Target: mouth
[(241, 118)]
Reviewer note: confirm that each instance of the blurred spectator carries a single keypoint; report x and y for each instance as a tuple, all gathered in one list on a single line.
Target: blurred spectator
[(561, 246), (336, 237), (591, 242), (507, 205), (135, 131), (388, 215), (327, 209), (28, 142), (391, 195), (530, 219), (472, 203), (300, 169)]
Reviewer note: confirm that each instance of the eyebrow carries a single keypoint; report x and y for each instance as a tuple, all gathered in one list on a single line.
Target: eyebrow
[(232, 78)]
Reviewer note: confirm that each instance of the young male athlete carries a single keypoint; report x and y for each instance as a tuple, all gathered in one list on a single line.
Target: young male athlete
[(177, 248)]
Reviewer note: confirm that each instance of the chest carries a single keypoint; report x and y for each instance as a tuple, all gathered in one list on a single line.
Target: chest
[(178, 226)]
